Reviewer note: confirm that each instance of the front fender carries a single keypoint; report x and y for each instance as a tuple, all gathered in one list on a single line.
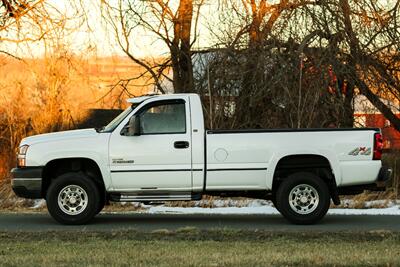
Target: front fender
[(95, 149)]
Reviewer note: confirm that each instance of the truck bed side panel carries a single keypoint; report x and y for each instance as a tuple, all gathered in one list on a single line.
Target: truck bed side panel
[(247, 160)]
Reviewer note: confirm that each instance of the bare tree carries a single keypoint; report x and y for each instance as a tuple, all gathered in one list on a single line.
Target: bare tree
[(300, 63), (174, 25), (364, 39), (24, 21), (261, 19)]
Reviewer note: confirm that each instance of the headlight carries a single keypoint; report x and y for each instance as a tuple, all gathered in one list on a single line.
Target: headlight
[(21, 158), (22, 150)]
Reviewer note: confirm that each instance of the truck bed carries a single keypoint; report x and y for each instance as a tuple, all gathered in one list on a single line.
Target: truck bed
[(247, 159)]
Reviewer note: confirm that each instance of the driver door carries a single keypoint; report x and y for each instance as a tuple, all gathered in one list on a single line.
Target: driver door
[(159, 159)]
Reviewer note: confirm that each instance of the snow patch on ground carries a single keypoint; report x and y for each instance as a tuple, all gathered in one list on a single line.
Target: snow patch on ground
[(394, 210), (382, 203), (38, 203), (266, 210), (390, 207)]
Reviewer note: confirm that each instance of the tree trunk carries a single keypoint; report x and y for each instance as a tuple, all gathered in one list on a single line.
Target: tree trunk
[(181, 57), (245, 110)]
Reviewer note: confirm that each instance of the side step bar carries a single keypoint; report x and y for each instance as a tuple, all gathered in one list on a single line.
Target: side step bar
[(129, 197)]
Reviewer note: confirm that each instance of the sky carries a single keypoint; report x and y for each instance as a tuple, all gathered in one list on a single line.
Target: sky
[(96, 37), (92, 36)]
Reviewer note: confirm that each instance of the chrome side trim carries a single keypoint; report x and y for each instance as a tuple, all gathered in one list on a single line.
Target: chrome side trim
[(153, 198), (237, 169), (158, 170)]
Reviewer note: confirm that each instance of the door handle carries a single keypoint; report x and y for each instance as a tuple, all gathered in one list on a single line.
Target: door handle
[(181, 144)]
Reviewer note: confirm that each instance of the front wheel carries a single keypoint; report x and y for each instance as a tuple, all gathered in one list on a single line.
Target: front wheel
[(73, 198), (303, 198)]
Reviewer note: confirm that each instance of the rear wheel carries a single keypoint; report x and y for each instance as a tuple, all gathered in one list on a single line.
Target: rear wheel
[(73, 198), (303, 198)]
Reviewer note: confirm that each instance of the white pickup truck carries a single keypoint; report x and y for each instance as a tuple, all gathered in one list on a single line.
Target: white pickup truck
[(158, 150)]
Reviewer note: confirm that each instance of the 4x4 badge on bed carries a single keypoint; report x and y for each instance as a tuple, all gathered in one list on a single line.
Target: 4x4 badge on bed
[(360, 151)]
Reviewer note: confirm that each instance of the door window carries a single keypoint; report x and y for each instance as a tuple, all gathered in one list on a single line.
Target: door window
[(163, 118)]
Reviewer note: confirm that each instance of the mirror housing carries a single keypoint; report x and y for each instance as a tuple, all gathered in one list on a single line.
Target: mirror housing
[(132, 128)]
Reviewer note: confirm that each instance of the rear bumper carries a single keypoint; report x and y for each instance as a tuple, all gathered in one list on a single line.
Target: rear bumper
[(27, 182), (384, 177), (382, 181)]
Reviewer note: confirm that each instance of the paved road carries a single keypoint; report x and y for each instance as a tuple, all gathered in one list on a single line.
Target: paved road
[(149, 222)]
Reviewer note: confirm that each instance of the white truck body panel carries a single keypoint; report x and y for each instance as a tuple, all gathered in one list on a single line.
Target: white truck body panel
[(259, 153)]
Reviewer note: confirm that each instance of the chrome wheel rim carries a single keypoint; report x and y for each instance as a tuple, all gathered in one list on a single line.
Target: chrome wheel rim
[(303, 199), (72, 199)]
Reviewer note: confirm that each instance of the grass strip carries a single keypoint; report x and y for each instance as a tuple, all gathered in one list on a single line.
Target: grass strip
[(194, 247)]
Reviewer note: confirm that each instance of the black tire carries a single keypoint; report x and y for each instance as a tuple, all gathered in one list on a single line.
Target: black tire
[(316, 212), (102, 203), (85, 214)]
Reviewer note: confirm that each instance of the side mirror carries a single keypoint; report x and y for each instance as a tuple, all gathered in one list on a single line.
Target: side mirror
[(132, 128)]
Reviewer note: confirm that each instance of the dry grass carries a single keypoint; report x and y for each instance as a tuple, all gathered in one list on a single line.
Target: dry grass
[(368, 200), (212, 202), (123, 207), (8, 200)]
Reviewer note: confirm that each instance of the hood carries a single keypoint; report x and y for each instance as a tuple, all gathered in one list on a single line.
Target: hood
[(49, 137)]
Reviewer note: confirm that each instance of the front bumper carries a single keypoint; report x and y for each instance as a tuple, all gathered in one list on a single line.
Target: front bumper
[(27, 182)]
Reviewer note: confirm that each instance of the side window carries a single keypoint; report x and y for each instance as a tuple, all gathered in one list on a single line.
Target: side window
[(164, 117)]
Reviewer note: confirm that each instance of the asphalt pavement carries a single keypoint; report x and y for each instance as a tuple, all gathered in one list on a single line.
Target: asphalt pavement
[(37, 222)]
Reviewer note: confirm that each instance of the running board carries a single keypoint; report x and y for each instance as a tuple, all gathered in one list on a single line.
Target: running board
[(129, 197)]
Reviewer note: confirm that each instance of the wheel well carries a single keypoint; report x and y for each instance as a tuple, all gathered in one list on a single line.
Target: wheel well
[(317, 164), (57, 167)]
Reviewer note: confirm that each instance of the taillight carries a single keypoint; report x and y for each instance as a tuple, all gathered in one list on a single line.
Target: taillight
[(378, 146)]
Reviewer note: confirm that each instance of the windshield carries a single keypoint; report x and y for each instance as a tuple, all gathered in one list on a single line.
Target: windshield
[(115, 122)]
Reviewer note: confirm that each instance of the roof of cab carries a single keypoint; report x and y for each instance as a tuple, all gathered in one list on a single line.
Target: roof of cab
[(140, 99)]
